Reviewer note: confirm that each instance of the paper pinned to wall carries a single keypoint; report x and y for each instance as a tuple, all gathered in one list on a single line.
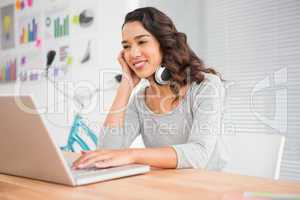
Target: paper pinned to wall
[(29, 29), (63, 59), (57, 24), (84, 52), (7, 27), (50, 29), (31, 67), (83, 20), (23, 4), (8, 69)]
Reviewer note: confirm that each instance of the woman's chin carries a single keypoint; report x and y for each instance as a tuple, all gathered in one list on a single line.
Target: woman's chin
[(144, 75)]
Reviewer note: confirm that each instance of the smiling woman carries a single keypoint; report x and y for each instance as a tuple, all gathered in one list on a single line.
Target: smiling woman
[(141, 49), (179, 120)]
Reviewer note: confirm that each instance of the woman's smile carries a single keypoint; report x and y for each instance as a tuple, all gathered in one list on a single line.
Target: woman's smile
[(139, 64)]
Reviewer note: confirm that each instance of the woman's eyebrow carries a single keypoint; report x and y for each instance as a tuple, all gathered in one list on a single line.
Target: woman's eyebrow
[(136, 37), (140, 36)]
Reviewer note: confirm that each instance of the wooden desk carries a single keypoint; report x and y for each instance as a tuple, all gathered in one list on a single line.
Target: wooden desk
[(158, 184)]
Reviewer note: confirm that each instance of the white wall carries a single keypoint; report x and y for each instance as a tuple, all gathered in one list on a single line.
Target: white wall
[(188, 17)]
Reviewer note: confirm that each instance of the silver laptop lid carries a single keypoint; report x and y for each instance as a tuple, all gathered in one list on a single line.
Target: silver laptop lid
[(26, 148)]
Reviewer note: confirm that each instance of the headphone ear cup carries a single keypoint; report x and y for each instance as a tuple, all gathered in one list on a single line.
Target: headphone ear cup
[(162, 76)]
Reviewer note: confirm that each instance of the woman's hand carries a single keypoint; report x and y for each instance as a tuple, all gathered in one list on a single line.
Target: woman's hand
[(104, 159), (128, 75)]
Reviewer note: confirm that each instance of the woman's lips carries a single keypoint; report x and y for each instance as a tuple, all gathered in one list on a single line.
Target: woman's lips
[(139, 65)]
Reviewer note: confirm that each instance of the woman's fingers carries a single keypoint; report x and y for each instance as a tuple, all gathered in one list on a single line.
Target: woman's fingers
[(104, 164), (104, 159), (122, 61), (86, 156), (91, 161), (107, 163), (125, 67), (128, 74), (82, 158), (121, 158)]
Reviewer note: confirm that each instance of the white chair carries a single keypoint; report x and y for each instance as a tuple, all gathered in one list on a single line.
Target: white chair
[(255, 154)]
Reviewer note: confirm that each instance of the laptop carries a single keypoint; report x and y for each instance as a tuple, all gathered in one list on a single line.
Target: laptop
[(28, 150)]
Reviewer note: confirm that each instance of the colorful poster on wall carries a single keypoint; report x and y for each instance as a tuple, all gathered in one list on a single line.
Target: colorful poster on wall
[(62, 58), (84, 19), (23, 4), (7, 27), (28, 29), (8, 70), (57, 25), (31, 67)]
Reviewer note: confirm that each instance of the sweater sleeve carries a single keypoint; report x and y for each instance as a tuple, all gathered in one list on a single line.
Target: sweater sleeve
[(122, 137), (206, 110)]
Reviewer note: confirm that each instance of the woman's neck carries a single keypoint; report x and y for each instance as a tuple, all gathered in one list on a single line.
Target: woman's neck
[(160, 90), (161, 99)]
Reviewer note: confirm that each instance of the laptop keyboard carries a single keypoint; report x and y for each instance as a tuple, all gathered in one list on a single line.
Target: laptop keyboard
[(87, 171)]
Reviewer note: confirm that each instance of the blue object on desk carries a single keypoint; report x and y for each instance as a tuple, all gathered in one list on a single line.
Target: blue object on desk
[(74, 137)]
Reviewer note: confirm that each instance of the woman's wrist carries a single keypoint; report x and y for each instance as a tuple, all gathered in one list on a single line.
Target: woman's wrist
[(116, 113), (129, 82), (163, 157), (134, 155), (126, 86)]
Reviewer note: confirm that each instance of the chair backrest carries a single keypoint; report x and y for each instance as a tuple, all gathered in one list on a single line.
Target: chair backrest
[(255, 154)]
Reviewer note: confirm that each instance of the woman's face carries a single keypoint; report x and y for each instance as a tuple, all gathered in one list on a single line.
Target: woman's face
[(141, 49)]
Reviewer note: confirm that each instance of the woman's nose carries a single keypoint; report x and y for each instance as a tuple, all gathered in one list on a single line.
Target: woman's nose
[(135, 52)]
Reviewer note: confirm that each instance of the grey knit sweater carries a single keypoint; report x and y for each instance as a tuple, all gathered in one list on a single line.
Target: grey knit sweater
[(193, 128)]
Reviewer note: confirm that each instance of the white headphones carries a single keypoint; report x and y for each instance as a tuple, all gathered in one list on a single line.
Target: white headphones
[(162, 75)]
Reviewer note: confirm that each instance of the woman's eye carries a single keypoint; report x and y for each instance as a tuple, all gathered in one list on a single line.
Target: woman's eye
[(142, 42), (126, 46)]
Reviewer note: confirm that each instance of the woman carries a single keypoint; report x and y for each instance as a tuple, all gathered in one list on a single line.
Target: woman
[(179, 118)]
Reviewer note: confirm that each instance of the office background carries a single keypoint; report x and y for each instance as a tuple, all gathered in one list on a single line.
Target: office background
[(254, 45)]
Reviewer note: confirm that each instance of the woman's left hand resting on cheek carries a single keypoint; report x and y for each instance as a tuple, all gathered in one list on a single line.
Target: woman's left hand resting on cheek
[(104, 159), (163, 157)]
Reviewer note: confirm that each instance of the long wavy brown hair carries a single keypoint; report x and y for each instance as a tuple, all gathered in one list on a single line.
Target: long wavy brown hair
[(184, 65)]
